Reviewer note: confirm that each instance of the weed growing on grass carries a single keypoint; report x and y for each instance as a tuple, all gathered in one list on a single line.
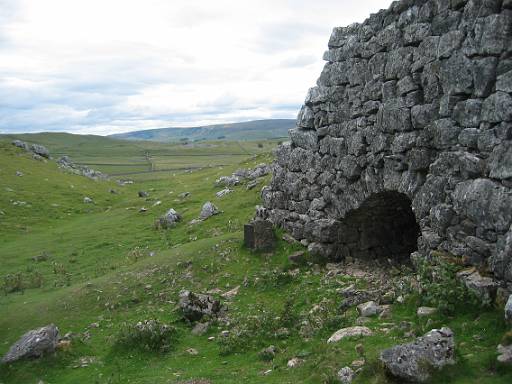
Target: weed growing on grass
[(20, 281), (147, 335), (439, 287)]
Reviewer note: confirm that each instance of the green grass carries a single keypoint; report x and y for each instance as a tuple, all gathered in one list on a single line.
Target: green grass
[(134, 159), (99, 270)]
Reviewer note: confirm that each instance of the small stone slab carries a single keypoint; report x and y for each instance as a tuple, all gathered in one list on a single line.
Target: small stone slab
[(259, 235)]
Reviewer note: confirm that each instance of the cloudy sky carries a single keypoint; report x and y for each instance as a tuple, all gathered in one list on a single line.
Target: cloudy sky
[(107, 66)]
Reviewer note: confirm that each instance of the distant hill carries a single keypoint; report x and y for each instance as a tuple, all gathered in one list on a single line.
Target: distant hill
[(249, 130)]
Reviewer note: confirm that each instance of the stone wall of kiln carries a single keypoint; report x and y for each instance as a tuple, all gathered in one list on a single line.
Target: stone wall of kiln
[(415, 100)]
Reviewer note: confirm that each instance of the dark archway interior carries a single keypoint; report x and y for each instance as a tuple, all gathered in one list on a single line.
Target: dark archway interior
[(384, 226)]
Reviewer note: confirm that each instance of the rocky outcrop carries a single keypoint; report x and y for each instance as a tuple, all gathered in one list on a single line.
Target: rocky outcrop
[(66, 164), (37, 150), (415, 361), (33, 344), (405, 142)]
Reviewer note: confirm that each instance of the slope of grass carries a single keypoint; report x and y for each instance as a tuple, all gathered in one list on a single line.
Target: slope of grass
[(136, 159), (107, 266)]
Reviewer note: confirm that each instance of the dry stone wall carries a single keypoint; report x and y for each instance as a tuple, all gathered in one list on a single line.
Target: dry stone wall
[(405, 142)]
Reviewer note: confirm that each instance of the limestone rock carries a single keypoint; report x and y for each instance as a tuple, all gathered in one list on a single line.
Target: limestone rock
[(508, 310), (369, 309), (21, 144), (208, 210), (170, 219), (355, 331), (505, 354), (294, 362), (195, 306), (224, 192), (32, 344), (227, 181), (484, 287), (346, 375), (414, 361), (40, 150), (426, 311)]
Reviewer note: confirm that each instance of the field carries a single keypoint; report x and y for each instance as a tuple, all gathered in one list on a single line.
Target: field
[(134, 159), (94, 269)]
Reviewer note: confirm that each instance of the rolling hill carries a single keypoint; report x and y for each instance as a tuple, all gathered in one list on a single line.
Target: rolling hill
[(249, 130)]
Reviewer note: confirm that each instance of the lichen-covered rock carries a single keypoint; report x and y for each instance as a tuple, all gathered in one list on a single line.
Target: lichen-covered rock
[(415, 361), (195, 306), (33, 344), (404, 144)]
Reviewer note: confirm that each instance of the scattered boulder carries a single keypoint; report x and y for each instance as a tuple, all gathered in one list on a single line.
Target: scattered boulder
[(37, 150), (88, 200), (415, 361), (294, 362), (346, 375), (19, 173), (21, 144), (227, 181), (169, 219), (33, 344), (195, 306), (484, 287), (426, 311), (369, 309), (143, 194), (208, 210), (259, 235), (224, 192), (40, 150), (355, 331), (184, 195), (505, 354)]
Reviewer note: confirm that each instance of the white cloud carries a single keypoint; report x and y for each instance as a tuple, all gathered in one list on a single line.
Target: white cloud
[(105, 66)]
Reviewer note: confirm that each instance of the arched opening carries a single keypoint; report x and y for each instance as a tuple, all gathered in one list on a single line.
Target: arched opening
[(383, 227)]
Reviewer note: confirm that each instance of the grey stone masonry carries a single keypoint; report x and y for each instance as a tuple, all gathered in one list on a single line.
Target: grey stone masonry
[(405, 142)]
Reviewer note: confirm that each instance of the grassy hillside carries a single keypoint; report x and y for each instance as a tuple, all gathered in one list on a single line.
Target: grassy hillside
[(249, 130), (93, 268), (143, 159)]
